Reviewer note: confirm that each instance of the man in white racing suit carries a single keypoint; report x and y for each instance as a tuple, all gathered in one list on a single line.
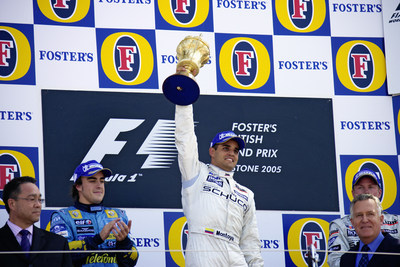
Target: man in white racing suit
[(220, 212), (342, 235)]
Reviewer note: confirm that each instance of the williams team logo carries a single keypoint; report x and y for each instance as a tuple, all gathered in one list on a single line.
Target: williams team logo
[(244, 64), (187, 14), (301, 232), (301, 17), (360, 66), (127, 59), (176, 233), (17, 162), (62, 12), (383, 166), (16, 54)]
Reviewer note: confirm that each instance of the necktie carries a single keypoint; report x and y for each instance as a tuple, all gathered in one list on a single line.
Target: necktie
[(364, 258), (25, 241)]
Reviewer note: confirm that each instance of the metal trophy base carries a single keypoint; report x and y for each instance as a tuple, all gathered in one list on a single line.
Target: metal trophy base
[(181, 90)]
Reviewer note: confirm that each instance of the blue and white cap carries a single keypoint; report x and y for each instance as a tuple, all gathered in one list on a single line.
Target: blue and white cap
[(90, 168), (223, 137), (367, 173)]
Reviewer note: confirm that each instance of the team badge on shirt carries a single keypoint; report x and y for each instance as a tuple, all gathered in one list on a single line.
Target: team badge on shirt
[(214, 179)]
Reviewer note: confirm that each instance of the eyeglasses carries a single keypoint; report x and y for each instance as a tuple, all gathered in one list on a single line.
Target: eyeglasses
[(32, 199)]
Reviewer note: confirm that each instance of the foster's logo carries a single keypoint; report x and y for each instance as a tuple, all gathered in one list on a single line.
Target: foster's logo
[(127, 59), (360, 67), (76, 12), (245, 64), (301, 16), (16, 54), (184, 13), (16, 164), (303, 233)]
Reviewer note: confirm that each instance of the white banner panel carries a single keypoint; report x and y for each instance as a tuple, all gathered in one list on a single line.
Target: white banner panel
[(360, 128)]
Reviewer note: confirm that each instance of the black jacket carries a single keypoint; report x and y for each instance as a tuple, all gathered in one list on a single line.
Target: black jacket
[(41, 241), (388, 244)]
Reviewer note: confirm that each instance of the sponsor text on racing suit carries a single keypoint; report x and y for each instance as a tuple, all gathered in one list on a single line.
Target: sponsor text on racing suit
[(81, 225), (220, 212)]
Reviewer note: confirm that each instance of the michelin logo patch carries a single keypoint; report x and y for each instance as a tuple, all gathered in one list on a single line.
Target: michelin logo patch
[(215, 179)]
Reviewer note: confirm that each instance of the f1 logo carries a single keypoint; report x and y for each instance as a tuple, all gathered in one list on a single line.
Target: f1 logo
[(105, 143)]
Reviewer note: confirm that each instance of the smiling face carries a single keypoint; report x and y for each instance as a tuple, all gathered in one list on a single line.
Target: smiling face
[(366, 185), (366, 220), (92, 189), (26, 207), (225, 155)]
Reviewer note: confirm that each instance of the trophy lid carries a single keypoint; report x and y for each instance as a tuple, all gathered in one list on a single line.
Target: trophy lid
[(181, 90)]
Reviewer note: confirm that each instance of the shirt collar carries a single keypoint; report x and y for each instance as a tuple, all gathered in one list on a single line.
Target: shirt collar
[(89, 208), (16, 229), (221, 173), (373, 246)]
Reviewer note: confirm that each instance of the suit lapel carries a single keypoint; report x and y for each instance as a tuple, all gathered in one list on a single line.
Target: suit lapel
[(38, 242), (10, 242)]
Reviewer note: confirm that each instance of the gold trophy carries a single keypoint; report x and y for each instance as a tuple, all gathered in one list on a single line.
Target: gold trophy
[(181, 88)]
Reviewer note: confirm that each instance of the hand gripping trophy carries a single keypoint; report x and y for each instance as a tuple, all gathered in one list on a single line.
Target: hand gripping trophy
[(181, 88)]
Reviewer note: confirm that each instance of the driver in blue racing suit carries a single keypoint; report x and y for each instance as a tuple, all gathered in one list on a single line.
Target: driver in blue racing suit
[(88, 225)]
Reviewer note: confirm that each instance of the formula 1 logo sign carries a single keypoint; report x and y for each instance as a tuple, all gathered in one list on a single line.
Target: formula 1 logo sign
[(301, 232), (159, 145), (127, 59), (16, 54), (383, 166), (17, 162), (245, 64), (173, 14), (360, 66), (132, 138), (301, 16), (57, 12), (176, 234)]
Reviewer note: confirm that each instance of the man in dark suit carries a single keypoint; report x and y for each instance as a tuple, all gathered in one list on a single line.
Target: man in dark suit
[(366, 217), (23, 203)]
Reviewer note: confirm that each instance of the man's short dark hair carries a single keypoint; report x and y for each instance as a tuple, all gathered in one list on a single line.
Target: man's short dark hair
[(13, 188), (74, 191)]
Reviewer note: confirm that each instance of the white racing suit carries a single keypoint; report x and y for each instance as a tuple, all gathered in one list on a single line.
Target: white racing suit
[(220, 212), (342, 235)]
